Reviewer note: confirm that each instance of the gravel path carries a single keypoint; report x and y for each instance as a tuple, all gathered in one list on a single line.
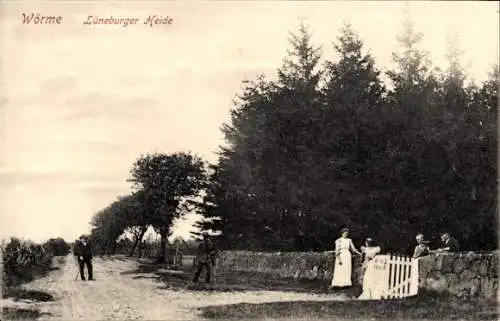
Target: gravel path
[(118, 296)]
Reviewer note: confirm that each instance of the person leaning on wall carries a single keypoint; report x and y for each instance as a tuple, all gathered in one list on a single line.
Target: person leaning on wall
[(422, 248), (448, 244)]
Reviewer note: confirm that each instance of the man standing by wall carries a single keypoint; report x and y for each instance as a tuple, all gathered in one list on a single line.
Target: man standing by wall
[(83, 252), (449, 244), (205, 258)]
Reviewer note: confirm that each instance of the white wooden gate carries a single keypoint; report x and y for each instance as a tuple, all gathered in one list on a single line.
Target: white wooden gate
[(397, 275)]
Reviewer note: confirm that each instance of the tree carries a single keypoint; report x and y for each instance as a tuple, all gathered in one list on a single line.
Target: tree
[(475, 166), (488, 94), (353, 138), (135, 213), (214, 207), (354, 95), (414, 83), (108, 224), (164, 181), (298, 73), (289, 135), (353, 82), (257, 190), (57, 246), (453, 89), (303, 161)]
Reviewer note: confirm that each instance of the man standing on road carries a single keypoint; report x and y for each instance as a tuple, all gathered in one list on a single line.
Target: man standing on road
[(205, 258), (83, 253)]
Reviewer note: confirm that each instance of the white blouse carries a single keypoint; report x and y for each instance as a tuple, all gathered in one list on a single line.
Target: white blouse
[(344, 244), (370, 252)]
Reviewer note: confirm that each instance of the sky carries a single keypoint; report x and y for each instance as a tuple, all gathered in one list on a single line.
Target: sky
[(79, 103)]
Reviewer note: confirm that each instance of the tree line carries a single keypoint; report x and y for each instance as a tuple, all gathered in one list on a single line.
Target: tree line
[(329, 144), (162, 186)]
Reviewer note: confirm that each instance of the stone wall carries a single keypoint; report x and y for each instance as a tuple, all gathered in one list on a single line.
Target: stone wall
[(297, 265), (465, 275), (473, 275)]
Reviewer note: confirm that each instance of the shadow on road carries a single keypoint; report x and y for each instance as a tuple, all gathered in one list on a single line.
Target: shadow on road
[(22, 314), (179, 278), (145, 277), (22, 294)]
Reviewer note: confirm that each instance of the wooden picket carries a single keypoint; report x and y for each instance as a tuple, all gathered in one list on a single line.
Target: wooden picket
[(399, 276)]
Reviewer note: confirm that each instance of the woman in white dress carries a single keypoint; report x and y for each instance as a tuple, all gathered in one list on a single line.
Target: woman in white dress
[(370, 278), (343, 260)]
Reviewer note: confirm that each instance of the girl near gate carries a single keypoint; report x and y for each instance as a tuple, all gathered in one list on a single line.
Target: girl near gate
[(370, 278), (343, 260)]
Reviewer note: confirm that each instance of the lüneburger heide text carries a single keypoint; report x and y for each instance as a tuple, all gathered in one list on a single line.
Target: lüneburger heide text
[(111, 20)]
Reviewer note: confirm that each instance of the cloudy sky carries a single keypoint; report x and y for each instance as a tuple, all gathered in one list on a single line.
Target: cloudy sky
[(80, 103)]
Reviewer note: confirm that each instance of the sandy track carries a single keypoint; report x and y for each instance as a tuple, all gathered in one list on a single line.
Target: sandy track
[(117, 296)]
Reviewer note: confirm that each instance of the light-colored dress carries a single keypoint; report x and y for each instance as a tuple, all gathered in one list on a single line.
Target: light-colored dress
[(371, 288), (343, 263)]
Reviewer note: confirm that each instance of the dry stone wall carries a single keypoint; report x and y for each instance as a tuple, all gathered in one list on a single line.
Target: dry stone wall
[(461, 274), (471, 274), (296, 265)]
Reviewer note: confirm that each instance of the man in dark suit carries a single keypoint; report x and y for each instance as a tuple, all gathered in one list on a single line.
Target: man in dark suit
[(449, 244), (83, 252), (205, 259)]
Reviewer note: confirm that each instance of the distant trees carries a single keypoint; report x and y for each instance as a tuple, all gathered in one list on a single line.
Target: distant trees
[(108, 224), (161, 183), (57, 246), (164, 181)]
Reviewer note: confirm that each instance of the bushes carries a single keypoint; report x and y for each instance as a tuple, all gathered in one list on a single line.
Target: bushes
[(23, 259), (58, 247)]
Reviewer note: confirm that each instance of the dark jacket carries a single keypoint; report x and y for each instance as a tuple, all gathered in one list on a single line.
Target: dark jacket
[(206, 252), (452, 244), (84, 251)]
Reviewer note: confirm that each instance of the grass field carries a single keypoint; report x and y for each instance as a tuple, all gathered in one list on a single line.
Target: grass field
[(425, 307)]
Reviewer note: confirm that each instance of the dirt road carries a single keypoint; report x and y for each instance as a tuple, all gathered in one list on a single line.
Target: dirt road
[(120, 294)]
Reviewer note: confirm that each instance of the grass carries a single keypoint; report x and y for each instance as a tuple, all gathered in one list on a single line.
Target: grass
[(25, 275), (15, 291), (17, 294), (424, 307)]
